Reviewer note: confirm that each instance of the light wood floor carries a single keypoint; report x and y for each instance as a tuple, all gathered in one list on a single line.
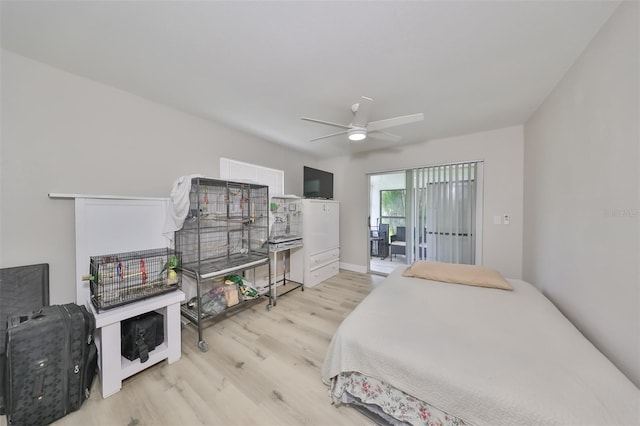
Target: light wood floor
[(386, 265), (262, 368)]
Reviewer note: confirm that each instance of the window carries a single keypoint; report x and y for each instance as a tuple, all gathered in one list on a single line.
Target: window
[(392, 208)]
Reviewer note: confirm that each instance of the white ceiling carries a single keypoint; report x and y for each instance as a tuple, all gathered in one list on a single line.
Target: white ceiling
[(260, 66)]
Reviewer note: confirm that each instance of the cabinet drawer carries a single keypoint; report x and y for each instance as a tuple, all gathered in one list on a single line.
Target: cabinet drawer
[(321, 259), (320, 274)]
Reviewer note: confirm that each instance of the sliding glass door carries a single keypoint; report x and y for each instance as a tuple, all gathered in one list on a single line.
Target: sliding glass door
[(387, 206), (431, 213)]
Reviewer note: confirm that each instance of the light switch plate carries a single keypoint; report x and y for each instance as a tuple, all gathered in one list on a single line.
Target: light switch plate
[(497, 220), (507, 220)]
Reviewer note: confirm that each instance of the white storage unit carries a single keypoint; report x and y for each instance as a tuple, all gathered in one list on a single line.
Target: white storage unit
[(319, 258), (109, 224)]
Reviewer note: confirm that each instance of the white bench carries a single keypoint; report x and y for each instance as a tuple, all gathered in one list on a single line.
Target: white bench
[(113, 367)]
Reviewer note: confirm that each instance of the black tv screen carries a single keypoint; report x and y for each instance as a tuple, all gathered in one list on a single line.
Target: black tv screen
[(318, 184)]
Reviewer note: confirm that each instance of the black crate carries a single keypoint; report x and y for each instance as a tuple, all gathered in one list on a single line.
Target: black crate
[(118, 279)]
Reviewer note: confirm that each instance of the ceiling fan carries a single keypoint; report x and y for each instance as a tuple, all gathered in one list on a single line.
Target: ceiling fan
[(359, 128)]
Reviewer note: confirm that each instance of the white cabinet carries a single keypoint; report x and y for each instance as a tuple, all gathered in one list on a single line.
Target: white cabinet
[(319, 258)]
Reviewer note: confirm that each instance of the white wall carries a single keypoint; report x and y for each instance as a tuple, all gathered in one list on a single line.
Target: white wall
[(581, 192), (64, 133), (502, 153)]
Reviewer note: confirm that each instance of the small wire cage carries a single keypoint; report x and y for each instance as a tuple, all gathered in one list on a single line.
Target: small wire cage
[(122, 278), (286, 214)]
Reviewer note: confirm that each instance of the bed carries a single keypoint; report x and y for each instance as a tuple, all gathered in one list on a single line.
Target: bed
[(427, 352)]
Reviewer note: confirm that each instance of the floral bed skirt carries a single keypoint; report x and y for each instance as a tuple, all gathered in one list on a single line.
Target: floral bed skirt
[(387, 402)]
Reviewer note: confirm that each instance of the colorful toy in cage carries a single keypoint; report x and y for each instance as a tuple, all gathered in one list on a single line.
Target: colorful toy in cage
[(171, 264), (143, 271)]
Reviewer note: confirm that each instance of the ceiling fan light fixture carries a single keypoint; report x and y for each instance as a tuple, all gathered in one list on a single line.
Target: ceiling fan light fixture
[(357, 134), (359, 127)]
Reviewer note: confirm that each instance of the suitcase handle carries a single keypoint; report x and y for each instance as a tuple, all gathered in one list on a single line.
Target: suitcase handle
[(38, 382), (19, 319)]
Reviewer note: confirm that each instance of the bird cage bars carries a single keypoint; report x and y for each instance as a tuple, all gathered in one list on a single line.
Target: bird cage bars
[(118, 279)]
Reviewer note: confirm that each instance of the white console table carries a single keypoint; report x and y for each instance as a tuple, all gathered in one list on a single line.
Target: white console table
[(113, 367)]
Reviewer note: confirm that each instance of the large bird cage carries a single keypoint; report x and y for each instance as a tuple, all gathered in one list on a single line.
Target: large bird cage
[(122, 278), (227, 225)]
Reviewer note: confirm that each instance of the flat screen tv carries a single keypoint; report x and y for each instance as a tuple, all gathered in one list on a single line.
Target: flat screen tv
[(318, 184)]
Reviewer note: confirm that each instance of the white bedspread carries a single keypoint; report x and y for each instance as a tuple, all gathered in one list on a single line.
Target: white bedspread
[(487, 356)]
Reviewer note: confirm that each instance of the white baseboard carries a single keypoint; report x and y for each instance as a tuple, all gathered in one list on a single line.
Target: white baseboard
[(354, 268)]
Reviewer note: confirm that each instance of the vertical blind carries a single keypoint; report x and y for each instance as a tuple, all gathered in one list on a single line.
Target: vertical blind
[(445, 213)]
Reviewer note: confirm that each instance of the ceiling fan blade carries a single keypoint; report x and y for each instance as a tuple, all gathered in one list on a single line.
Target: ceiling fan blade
[(384, 136), (329, 136), (362, 114), (393, 122), (343, 126)]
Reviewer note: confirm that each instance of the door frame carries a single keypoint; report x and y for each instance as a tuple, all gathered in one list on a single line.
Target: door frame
[(409, 213), (368, 218)]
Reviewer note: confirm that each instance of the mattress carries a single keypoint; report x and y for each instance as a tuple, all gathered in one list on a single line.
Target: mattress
[(481, 355)]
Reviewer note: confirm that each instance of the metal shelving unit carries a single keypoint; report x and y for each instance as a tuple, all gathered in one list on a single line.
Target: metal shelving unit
[(225, 233)]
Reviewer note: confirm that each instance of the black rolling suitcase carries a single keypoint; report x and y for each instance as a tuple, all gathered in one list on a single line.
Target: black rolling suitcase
[(22, 289), (50, 365)]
